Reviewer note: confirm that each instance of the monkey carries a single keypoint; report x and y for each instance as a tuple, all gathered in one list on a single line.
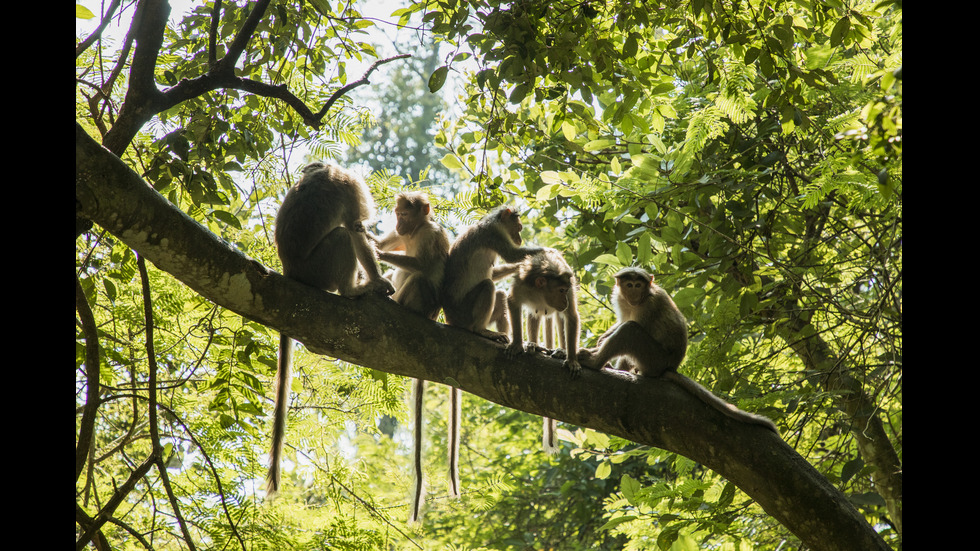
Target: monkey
[(471, 301), (546, 286), (420, 269), (417, 281), (469, 298), (321, 241), (650, 338)]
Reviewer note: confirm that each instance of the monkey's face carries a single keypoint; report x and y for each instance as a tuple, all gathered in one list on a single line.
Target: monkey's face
[(633, 290), (513, 224), (407, 218), (556, 292)]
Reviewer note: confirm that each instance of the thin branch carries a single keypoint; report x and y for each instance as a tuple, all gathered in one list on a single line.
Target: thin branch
[(213, 34), (152, 392), (362, 81), (227, 63), (95, 524), (97, 34), (86, 431)]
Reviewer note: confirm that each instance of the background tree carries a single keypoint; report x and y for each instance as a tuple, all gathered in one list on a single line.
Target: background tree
[(751, 155), (405, 118)]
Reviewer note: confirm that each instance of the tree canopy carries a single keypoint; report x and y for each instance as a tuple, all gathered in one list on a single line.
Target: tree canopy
[(747, 153)]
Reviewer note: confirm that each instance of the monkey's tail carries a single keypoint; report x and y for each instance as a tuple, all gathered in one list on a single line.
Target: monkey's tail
[(549, 438), (418, 488), (455, 414), (724, 407), (283, 382)]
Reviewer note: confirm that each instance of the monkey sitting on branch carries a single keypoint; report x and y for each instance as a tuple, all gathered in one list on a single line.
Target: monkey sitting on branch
[(321, 241), (650, 338), (470, 299), (417, 280), (545, 286)]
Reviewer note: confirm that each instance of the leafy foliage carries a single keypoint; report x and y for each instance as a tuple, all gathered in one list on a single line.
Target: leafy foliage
[(749, 154)]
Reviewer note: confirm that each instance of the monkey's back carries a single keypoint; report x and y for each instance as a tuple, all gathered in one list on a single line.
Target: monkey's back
[(470, 261), (323, 199)]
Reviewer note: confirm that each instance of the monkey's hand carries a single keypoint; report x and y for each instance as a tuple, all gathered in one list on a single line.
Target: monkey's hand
[(559, 354)]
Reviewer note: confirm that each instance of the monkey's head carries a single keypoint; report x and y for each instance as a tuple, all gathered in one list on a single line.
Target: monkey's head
[(313, 167), (633, 285), (556, 290), (411, 211), (510, 222)]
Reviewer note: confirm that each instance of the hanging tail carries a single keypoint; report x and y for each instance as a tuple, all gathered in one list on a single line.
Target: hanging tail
[(418, 486), (455, 414), (283, 382)]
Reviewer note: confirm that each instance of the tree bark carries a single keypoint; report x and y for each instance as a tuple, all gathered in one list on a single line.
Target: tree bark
[(375, 332)]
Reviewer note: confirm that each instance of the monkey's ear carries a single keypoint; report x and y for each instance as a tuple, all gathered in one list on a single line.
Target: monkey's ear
[(540, 282)]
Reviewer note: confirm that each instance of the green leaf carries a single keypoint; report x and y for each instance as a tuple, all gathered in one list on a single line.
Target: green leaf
[(629, 486), (81, 12), (839, 33), (568, 130), (438, 79), (624, 253), (610, 260), (451, 161)]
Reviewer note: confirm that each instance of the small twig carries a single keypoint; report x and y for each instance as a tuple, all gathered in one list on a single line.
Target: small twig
[(362, 81)]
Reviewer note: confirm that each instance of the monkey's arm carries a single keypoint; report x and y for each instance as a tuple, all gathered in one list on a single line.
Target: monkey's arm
[(366, 256), (402, 261), (570, 340), (501, 271), (516, 345), (388, 242)]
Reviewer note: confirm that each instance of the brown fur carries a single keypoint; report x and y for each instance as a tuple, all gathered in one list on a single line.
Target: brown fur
[(650, 338), (321, 242)]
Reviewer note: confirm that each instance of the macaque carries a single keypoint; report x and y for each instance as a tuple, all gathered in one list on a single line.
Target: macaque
[(420, 268), (417, 281), (471, 301), (321, 241), (650, 338), (545, 286)]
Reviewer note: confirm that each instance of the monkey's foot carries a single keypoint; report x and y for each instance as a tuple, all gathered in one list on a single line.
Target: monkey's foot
[(513, 350), (380, 286), (535, 348), (586, 357), (573, 367), (559, 354), (502, 338)]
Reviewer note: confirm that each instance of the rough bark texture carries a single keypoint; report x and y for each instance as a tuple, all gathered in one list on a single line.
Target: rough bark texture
[(377, 333)]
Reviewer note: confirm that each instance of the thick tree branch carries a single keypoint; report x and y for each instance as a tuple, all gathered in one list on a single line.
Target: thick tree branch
[(377, 333)]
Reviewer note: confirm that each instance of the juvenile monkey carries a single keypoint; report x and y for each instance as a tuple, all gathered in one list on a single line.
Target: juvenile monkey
[(469, 298), (650, 338), (417, 281), (425, 243), (321, 242), (545, 286)]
